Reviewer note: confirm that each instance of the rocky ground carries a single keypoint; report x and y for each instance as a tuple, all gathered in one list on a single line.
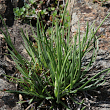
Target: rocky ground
[(82, 11), (86, 11)]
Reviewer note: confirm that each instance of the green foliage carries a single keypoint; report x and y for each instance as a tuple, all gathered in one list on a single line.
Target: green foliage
[(19, 12), (32, 9), (25, 11), (32, 1)]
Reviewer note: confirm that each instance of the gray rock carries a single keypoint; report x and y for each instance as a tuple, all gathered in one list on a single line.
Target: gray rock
[(75, 19), (8, 100), (5, 85), (102, 30), (2, 72), (101, 52)]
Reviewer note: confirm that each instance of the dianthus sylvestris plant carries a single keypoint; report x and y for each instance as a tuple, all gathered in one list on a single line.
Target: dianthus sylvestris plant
[(55, 69)]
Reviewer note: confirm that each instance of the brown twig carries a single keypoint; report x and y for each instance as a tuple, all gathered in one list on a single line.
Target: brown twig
[(30, 106)]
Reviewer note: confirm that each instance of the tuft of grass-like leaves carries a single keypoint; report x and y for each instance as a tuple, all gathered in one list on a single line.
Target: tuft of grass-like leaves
[(55, 70)]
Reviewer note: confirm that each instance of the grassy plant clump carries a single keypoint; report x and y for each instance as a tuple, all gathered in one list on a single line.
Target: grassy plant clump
[(54, 73)]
